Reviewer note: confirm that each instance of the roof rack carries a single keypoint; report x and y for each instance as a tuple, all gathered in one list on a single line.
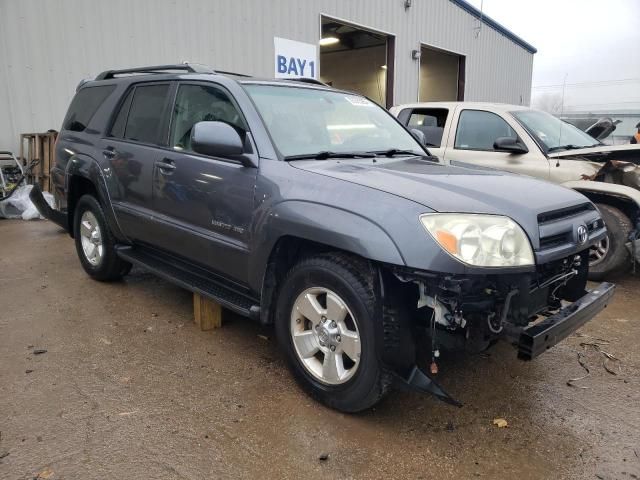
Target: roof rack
[(223, 72), (186, 67), (308, 80)]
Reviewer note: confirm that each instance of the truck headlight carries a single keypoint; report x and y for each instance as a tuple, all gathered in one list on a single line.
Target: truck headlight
[(480, 240)]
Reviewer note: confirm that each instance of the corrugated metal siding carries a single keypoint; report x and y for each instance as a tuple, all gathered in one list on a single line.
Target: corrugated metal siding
[(47, 47)]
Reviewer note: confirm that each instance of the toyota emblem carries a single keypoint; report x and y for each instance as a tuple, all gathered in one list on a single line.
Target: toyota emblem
[(583, 235)]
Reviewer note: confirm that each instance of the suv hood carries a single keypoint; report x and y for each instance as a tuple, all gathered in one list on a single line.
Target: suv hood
[(452, 189)]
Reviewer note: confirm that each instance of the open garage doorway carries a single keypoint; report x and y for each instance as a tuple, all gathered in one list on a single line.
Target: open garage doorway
[(441, 75), (357, 59)]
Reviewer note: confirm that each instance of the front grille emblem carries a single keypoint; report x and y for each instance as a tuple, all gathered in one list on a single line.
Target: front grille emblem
[(582, 235)]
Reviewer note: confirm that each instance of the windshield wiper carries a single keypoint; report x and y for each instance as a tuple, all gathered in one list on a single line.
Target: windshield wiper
[(327, 154), (397, 151), (567, 147)]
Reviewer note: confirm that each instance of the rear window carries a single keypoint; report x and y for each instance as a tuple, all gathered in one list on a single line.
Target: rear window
[(146, 113), (84, 106), (431, 123)]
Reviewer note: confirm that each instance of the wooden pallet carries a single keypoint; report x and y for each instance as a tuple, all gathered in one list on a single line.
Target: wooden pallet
[(39, 146)]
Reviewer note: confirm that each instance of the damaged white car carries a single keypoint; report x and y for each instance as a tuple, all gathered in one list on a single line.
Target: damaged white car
[(531, 142)]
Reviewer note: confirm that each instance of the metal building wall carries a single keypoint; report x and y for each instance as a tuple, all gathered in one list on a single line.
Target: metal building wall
[(47, 46)]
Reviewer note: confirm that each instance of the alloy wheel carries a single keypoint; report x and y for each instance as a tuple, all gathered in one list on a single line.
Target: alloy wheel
[(91, 238), (325, 336), (599, 251)]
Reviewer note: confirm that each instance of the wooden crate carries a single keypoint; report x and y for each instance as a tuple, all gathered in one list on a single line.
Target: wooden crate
[(39, 146)]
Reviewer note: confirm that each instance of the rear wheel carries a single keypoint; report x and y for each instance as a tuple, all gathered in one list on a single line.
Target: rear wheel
[(94, 242), (610, 256), (325, 325)]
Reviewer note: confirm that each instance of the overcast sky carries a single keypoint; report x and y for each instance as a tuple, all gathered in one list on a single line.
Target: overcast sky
[(595, 43)]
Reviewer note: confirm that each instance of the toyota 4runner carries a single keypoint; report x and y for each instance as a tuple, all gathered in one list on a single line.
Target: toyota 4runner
[(315, 210)]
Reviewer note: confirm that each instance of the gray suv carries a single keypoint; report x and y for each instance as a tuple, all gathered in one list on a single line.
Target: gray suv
[(315, 210)]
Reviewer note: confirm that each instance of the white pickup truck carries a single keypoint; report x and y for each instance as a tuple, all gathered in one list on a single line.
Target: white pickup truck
[(531, 142)]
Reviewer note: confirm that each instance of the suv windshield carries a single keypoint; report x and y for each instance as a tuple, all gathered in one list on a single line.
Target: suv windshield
[(307, 121), (552, 133)]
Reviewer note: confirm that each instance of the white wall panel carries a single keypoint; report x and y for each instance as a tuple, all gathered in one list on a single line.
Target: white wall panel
[(47, 46)]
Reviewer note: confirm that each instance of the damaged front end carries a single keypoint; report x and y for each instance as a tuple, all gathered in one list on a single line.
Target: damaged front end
[(471, 312), (608, 175), (532, 311)]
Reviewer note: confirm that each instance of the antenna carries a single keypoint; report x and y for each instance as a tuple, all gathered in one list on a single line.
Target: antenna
[(564, 87), (480, 20)]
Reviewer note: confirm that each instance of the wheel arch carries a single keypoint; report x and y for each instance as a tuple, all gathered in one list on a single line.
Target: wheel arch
[(77, 187), (295, 228), (84, 176), (286, 252), (624, 198)]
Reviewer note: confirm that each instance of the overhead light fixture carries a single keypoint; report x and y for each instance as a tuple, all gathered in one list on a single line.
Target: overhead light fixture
[(383, 67), (328, 41)]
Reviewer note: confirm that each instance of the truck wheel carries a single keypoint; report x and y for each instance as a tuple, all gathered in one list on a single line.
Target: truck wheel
[(325, 325), (95, 243), (610, 256)]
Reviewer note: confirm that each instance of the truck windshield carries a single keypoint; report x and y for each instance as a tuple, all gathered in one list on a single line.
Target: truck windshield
[(305, 121), (552, 133)]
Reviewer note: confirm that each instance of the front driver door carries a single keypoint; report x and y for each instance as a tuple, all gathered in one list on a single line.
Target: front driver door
[(475, 133), (205, 203)]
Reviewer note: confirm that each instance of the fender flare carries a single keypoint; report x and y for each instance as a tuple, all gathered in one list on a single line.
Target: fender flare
[(84, 166), (320, 224), (625, 198), (615, 190)]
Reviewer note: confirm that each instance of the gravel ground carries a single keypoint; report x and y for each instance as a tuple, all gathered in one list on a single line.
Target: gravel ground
[(129, 388)]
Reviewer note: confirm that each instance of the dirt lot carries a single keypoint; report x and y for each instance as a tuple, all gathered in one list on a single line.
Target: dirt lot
[(129, 388)]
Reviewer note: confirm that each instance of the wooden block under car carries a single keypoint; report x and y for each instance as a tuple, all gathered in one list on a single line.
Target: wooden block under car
[(206, 313)]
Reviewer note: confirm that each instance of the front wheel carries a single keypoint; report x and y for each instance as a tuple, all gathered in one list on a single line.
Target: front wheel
[(94, 242), (610, 256), (325, 325)]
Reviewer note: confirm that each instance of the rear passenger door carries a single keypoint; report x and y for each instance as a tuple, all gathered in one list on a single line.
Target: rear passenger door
[(205, 204), (132, 148)]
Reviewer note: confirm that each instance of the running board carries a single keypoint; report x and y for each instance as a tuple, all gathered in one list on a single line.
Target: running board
[(191, 278)]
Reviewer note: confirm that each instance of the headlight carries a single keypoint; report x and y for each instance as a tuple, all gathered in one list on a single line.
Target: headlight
[(480, 240)]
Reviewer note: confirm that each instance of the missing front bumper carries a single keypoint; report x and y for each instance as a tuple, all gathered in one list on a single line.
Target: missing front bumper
[(541, 336)]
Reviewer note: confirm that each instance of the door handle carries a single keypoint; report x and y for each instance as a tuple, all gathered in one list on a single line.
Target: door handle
[(109, 153), (166, 166)]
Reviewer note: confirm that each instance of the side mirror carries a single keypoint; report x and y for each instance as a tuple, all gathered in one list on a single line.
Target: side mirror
[(216, 139), (419, 136), (509, 145)]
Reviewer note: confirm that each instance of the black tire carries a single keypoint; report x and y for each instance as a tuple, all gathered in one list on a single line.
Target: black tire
[(617, 259), (111, 267), (352, 280)]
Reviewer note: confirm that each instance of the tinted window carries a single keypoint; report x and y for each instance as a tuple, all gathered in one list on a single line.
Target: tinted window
[(198, 103), (117, 130), (84, 106), (145, 114), (478, 130), (431, 123)]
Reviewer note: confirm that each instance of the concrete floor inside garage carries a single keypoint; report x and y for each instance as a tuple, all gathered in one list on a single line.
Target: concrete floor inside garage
[(130, 388)]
